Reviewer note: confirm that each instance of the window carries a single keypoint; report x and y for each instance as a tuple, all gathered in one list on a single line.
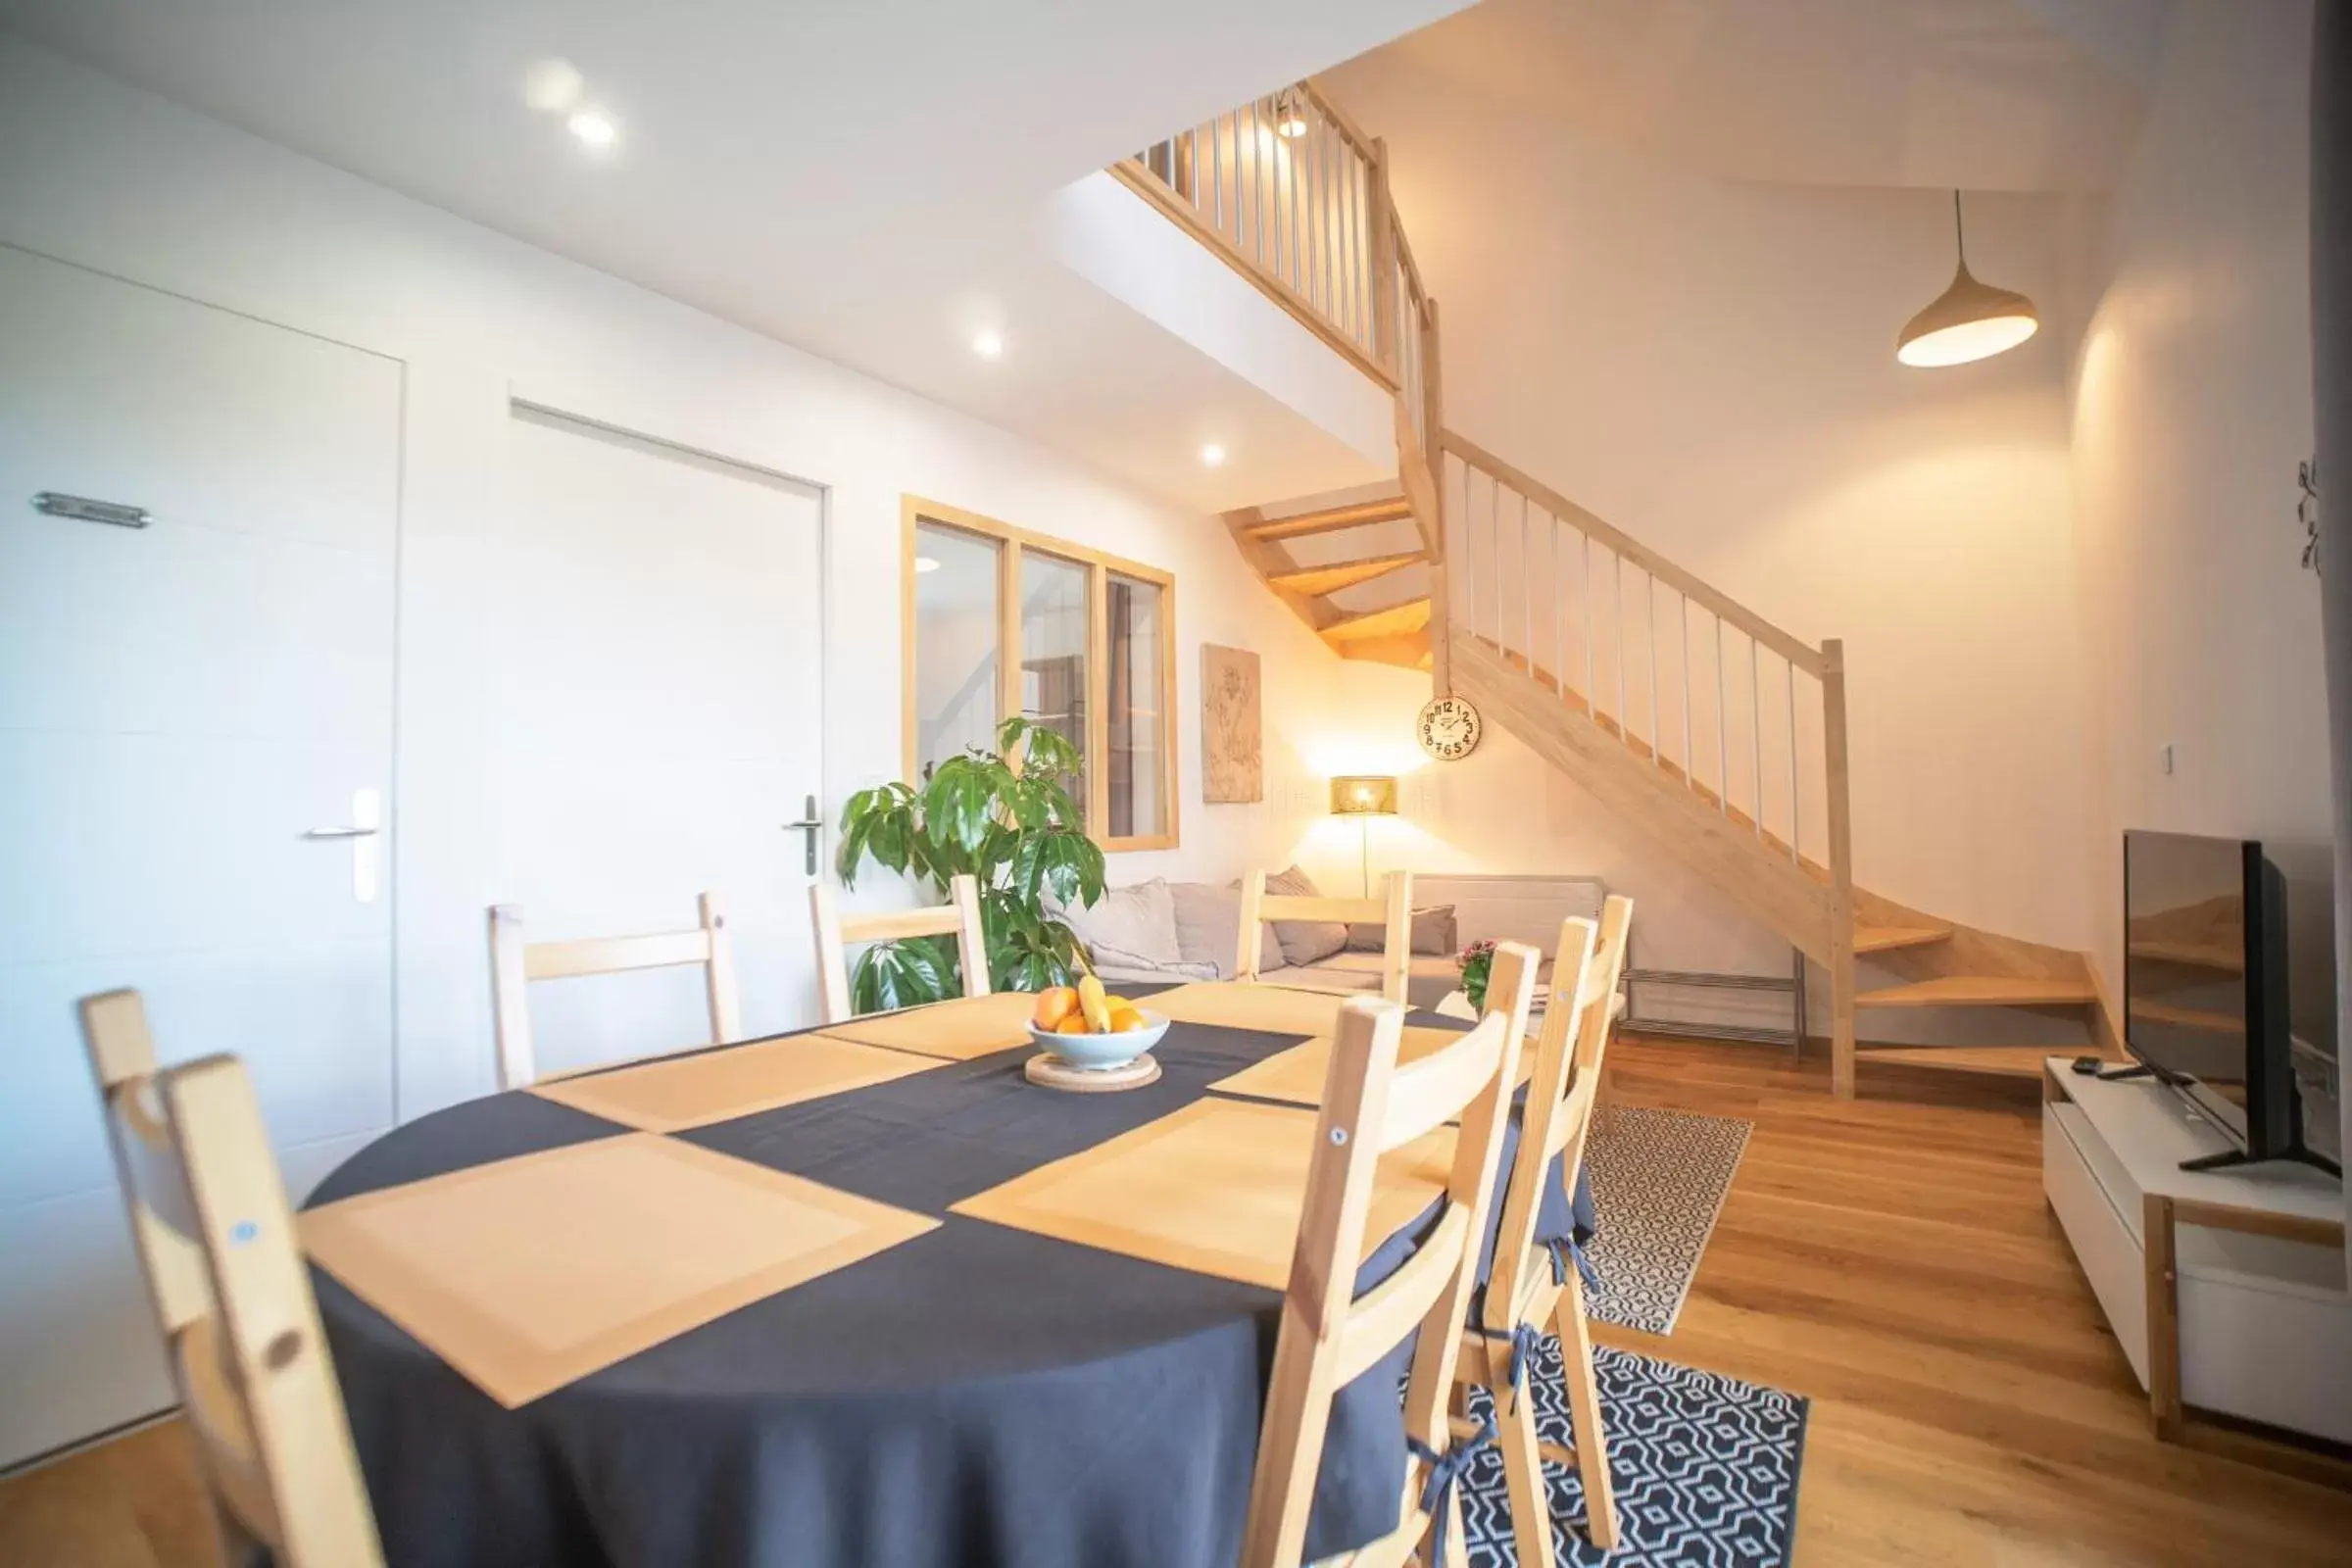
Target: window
[(1001, 621)]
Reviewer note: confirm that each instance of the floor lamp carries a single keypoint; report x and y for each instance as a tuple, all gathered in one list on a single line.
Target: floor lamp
[(1363, 797)]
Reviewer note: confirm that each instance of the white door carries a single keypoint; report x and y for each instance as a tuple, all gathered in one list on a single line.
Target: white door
[(179, 704), (656, 710)]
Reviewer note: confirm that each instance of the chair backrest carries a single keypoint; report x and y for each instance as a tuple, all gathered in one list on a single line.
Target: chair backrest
[(1562, 1091), (958, 917), (1330, 1335), (515, 964), (1393, 910), (232, 1299)]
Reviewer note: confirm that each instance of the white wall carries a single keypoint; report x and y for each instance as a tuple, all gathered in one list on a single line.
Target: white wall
[(1709, 365), (2191, 409), (108, 177)]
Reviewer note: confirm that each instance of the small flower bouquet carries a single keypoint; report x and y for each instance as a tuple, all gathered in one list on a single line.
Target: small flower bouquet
[(1477, 961)]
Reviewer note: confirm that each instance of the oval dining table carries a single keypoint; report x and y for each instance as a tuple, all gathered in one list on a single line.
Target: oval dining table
[(974, 1393)]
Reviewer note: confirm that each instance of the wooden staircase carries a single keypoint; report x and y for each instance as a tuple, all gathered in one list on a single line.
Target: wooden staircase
[(1738, 769)]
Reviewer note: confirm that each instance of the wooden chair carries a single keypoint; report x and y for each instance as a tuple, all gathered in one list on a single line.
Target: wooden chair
[(516, 963), (1393, 910), (232, 1297), (958, 917), (1330, 1335), (1531, 1283)]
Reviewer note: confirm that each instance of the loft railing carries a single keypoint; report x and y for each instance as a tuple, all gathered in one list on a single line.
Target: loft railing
[(1716, 698), (1290, 191)]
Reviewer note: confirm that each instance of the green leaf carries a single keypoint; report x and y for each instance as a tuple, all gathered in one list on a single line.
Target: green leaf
[(901, 974)]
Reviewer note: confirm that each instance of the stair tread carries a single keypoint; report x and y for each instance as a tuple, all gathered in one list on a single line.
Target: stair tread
[(1886, 938), (1405, 616), (2022, 1061), (1980, 991), (1331, 520), (1332, 575)]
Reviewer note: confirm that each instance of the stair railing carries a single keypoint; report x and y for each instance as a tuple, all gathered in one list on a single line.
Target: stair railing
[(1292, 193), (1718, 700)]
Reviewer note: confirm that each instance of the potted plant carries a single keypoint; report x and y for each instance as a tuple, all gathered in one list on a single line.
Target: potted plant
[(1006, 819), (1477, 963)]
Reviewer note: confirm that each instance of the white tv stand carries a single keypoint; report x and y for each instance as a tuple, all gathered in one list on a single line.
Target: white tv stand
[(2226, 1288)]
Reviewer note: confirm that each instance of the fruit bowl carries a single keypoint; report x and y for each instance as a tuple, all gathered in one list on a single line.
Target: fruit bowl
[(1088, 1028), (1096, 1051)]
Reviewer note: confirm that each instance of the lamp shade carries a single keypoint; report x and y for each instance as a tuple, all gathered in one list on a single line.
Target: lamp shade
[(1363, 795), (1970, 320)]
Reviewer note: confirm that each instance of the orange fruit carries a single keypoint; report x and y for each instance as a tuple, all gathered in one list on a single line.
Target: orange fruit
[(1055, 1004), (1073, 1024), (1128, 1022)]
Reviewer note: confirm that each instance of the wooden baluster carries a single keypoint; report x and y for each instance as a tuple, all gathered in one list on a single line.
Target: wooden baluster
[(1624, 733), (1216, 170), (1682, 661), (1385, 335), (1495, 535), (1723, 731), (1257, 189), (1649, 651), (1755, 730), (1795, 817), (1527, 593), (1559, 614), (1592, 682)]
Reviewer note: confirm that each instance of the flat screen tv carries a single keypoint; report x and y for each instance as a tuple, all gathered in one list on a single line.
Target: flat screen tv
[(2228, 966)]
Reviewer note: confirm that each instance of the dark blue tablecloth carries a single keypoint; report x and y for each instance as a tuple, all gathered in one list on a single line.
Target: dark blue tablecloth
[(975, 1397)]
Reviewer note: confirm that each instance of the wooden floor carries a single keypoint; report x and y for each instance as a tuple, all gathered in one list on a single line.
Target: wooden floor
[(1890, 1257)]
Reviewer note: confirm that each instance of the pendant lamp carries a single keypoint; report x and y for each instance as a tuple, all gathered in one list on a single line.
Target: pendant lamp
[(1970, 320)]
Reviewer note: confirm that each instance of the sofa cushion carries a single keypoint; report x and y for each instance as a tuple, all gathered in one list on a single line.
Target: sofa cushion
[(1433, 933), (1208, 926), (1303, 942), (1130, 927), (1229, 931)]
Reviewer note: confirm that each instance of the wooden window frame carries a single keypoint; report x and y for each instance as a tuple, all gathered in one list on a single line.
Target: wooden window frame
[(1012, 542)]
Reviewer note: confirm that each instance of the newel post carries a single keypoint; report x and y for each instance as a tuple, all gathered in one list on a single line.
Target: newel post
[(1842, 869)]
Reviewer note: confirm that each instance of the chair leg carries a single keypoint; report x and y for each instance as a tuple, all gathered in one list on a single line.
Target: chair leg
[(1458, 1538), (1584, 1408), (1522, 1470)]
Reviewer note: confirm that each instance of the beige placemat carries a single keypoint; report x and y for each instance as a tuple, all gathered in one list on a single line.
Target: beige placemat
[(1216, 1188), (1241, 1004), (680, 1092), (1297, 1075), (528, 1273), (958, 1030)]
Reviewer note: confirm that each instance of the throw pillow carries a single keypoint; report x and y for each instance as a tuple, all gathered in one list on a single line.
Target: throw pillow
[(1269, 945), (1208, 926), (1305, 941), (1433, 933), (1129, 928)]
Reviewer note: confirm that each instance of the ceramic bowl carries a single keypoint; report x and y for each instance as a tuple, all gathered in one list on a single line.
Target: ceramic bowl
[(1097, 1052)]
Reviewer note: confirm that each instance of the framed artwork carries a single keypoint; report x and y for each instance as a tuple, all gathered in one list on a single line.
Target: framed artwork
[(1233, 759)]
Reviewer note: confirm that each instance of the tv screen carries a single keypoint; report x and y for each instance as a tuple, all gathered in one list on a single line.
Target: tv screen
[(2184, 965), (2230, 975)]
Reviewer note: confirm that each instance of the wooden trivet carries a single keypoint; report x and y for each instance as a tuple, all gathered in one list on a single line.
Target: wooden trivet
[(1048, 1071)]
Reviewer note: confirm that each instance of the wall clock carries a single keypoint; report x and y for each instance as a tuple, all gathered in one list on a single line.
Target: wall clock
[(1450, 728)]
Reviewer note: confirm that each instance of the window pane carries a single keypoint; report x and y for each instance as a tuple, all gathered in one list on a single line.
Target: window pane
[(955, 644), (1054, 652), (1138, 729)]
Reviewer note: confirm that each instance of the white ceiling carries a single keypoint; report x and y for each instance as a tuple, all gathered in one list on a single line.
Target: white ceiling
[(2026, 95), (861, 179)]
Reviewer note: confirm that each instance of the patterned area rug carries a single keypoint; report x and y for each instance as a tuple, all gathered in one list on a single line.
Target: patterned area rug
[(1658, 1180), (1705, 1466)]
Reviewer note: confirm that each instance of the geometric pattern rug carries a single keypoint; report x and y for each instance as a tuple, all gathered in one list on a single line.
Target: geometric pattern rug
[(1659, 1178), (1706, 1467)]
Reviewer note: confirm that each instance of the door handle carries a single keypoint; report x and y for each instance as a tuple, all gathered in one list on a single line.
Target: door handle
[(809, 826), (367, 818)]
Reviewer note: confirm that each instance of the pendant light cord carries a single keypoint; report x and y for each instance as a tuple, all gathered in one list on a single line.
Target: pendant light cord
[(1959, 234)]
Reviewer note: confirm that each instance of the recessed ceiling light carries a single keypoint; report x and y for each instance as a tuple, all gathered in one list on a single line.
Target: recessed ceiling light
[(1213, 455), (552, 86), (989, 345), (594, 126), (925, 564)]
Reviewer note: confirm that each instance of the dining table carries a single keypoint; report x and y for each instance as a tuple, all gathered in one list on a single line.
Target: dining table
[(860, 1296)]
